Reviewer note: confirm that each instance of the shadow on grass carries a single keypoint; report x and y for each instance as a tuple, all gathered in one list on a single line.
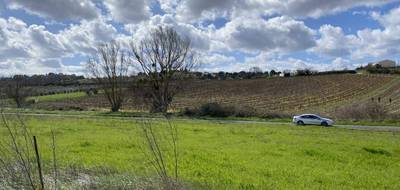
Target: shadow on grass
[(377, 151)]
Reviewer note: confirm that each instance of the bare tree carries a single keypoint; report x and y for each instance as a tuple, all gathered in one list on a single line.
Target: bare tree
[(255, 70), (110, 68), (164, 58), (16, 90)]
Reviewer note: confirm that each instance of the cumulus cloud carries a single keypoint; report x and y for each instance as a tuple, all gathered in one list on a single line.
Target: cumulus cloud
[(128, 11), (318, 8), (58, 10), (200, 39), (341, 63), (269, 62), (293, 64), (213, 59), (38, 66), (388, 20), (276, 34), (85, 37), (35, 46), (263, 33), (334, 42), (366, 43), (194, 10)]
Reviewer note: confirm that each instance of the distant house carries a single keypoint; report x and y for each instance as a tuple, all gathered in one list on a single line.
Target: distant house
[(287, 73), (386, 63)]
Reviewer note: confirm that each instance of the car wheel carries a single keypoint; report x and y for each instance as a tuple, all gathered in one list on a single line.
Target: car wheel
[(300, 123), (325, 124)]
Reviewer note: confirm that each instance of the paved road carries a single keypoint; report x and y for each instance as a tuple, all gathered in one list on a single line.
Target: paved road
[(355, 127)]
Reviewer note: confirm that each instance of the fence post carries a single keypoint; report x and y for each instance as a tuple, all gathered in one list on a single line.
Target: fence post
[(38, 163)]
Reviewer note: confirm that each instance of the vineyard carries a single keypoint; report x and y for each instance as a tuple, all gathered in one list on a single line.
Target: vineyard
[(288, 95), (320, 94)]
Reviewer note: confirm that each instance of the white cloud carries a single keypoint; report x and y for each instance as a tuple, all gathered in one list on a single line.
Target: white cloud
[(59, 10), (334, 42), (390, 19), (340, 64), (318, 8), (128, 11), (195, 10), (215, 62), (200, 39), (32, 48), (269, 62), (282, 34), (84, 38), (38, 66), (366, 43)]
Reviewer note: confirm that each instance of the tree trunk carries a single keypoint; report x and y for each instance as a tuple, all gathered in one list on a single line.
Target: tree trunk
[(115, 108), (158, 107)]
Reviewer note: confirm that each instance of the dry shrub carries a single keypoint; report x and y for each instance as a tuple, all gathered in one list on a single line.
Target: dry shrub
[(20, 167), (368, 111), (272, 115), (160, 147), (219, 110), (211, 109)]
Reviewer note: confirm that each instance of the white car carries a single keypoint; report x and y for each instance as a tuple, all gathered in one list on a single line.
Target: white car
[(311, 119)]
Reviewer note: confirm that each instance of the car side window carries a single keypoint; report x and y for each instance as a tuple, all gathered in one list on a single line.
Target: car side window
[(305, 117), (315, 117)]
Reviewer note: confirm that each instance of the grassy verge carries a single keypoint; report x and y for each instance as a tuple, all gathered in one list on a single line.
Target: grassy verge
[(235, 155), (394, 123), (58, 97), (128, 113)]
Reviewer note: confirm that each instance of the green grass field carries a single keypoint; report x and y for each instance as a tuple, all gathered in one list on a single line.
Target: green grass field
[(58, 97), (233, 156)]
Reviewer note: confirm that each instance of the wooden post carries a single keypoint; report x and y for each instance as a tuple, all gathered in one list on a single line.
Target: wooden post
[(38, 163)]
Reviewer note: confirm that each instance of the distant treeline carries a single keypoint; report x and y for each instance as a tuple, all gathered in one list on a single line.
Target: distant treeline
[(232, 75), (307, 72), (53, 79), (60, 79), (378, 69), (272, 73)]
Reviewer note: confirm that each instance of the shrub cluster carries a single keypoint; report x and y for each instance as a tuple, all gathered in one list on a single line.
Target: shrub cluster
[(307, 72), (377, 69), (218, 110), (371, 111)]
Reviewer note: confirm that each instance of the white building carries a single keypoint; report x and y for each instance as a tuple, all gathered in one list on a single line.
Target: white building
[(386, 63)]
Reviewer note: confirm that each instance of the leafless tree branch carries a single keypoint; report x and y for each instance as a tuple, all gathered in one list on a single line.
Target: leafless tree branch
[(110, 68), (164, 57)]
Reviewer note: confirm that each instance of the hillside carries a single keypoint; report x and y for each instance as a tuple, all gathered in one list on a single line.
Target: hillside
[(319, 94)]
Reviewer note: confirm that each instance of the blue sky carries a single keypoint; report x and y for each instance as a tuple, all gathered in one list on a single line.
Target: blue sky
[(41, 36)]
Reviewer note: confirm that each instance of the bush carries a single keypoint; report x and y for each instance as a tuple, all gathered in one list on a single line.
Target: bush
[(91, 92), (218, 110), (215, 110), (32, 101), (367, 111), (210, 109), (244, 111), (269, 115)]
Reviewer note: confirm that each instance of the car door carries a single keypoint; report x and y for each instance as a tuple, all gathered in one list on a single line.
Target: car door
[(315, 120), (306, 119)]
